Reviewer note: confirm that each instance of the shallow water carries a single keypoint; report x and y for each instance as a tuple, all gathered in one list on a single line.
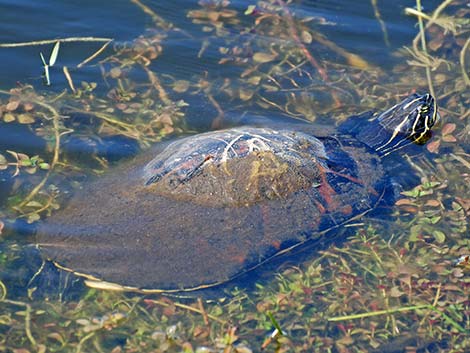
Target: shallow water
[(191, 55)]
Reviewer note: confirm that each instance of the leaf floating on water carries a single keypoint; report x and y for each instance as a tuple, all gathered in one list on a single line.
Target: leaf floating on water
[(34, 204), (28, 106), (12, 105), (8, 118), (33, 218), (449, 138), (3, 160), (439, 236), (306, 37), (115, 72), (357, 61), (246, 94), (264, 57), (250, 9), (181, 86), (433, 146), (254, 80), (433, 203), (25, 119)]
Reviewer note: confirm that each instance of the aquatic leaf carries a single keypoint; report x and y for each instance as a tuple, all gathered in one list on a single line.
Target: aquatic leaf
[(254, 80), (56, 336), (115, 72), (449, 138), (246, 94), (25, 119), (8, 117), (250, 9), (24, 157), (264, 57), (395, 292), (275, 323), (28, 106), (433, 203), (270, 88), (448, 128), (439, 236), (83, 322), (403, 202), (213, 16), (12, 105), (412, 193), (433, 146), (356, 61), (306, 37), (435, 219), (33, 218), (181, 86), (20, 350), (34, 204), (54, 54)]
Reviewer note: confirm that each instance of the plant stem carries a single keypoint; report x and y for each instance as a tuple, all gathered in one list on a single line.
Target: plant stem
[(423, 47)]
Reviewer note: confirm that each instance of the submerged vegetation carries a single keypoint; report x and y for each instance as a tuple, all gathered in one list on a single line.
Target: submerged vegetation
[(394, 293)]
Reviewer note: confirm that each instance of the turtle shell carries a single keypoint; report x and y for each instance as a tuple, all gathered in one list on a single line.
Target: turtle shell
[(211, 207)]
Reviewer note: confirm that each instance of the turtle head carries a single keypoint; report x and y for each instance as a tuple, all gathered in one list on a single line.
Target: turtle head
[(409, 121)]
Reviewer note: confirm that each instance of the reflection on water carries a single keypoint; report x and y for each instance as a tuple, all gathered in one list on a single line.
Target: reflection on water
[(185, 66)]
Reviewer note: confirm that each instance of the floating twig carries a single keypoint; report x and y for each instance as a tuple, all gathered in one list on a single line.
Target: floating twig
[(68, 78), (381, 22), (156, 18), (94, 55), (156, 83), (52, 41)]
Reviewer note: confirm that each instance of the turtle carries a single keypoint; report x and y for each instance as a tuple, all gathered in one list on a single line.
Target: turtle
[(206, 209)]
